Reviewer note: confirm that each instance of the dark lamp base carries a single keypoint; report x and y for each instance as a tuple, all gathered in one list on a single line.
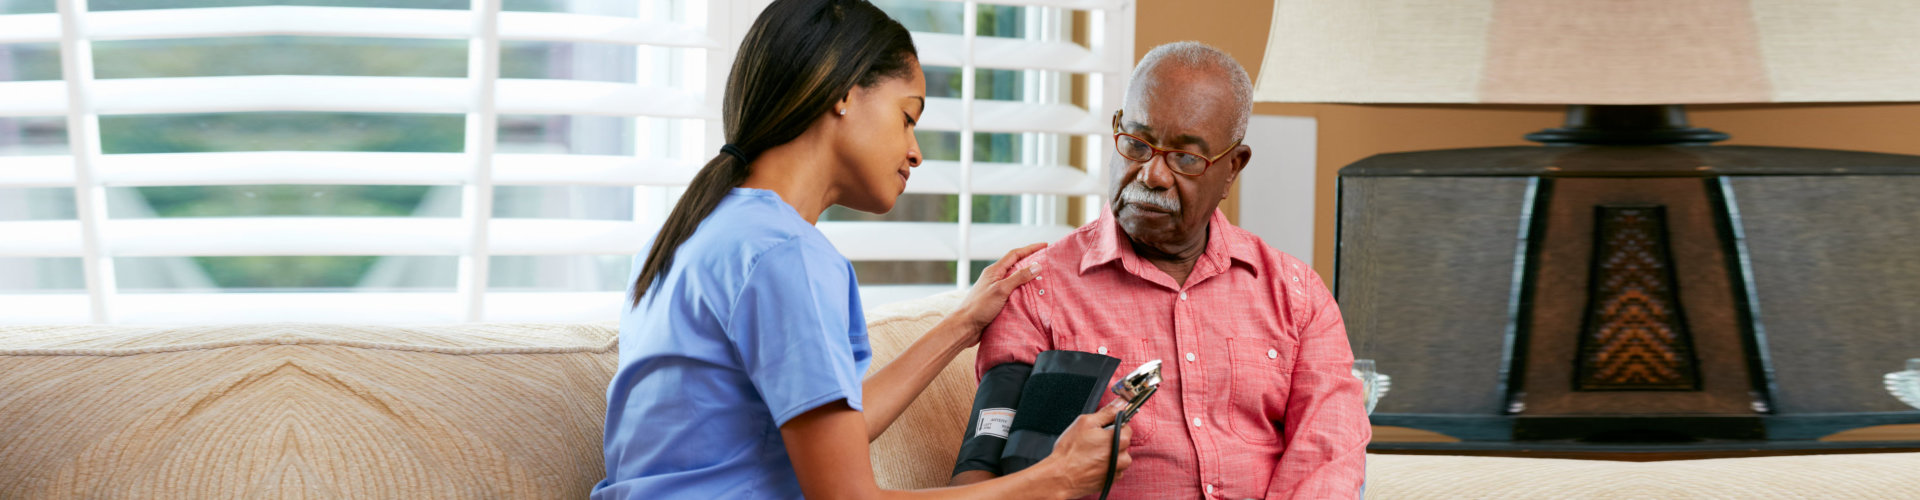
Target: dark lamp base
[(1626, 125)]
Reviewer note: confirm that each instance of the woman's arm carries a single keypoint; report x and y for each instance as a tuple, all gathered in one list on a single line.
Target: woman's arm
[(970, 477), (887, 392), (832, 462)]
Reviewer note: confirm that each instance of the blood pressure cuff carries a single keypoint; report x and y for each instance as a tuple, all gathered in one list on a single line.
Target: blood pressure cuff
[(993, 411), (1020, 410)]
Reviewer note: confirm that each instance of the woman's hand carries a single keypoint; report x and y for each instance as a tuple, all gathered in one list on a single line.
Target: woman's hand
[(990, 293), (1079, 458)]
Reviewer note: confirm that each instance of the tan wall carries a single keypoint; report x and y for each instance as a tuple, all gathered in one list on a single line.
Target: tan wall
[(1348, 133)]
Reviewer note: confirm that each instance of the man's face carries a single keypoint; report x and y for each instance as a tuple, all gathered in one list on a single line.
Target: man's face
[(1189, 110)]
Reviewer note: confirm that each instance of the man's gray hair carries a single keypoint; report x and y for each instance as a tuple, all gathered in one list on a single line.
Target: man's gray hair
[(1202, 56)]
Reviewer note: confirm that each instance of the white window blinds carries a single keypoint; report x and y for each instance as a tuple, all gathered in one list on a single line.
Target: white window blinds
[(422, 161)]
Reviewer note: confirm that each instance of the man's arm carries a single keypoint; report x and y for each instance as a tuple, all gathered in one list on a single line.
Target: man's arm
[(1017, 335), (1326, 429)]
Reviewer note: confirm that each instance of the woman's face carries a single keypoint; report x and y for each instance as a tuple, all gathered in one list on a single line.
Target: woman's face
[(876, 146)]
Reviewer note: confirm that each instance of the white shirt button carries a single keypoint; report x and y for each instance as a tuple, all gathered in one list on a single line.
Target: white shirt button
[(1196, 421), (1189, 356), (1043, 291), (1271, 354), (1183, 295), (1209, 489), (1103, 349)]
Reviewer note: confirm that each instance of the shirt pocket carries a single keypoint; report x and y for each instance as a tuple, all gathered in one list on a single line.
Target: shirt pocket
[(1132, 353), (1257, 391)]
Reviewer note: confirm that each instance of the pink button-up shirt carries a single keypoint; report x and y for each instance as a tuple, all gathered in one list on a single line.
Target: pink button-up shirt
[(1257, 398)]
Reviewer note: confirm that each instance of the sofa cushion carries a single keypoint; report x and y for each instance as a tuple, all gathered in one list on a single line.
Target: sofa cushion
[(298, 411), (918, 450)]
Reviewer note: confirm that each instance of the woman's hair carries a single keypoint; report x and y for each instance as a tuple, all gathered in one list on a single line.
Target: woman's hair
[(800, 57)]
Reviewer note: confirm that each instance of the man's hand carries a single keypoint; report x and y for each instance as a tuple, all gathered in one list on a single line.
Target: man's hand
[(990, 293)]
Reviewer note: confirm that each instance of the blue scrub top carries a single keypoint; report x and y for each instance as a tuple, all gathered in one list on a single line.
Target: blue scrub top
[(757, 321)]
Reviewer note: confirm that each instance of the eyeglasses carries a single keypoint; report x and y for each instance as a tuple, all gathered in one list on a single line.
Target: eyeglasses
[(1134, 148)]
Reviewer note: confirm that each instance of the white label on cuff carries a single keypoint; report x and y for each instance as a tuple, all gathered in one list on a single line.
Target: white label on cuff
[(995, 422)]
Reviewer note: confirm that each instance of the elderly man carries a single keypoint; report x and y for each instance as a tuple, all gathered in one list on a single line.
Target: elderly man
[(1258, 398)]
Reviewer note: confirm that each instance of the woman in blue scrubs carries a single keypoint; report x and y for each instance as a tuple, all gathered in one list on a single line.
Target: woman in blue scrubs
[(741, 359)]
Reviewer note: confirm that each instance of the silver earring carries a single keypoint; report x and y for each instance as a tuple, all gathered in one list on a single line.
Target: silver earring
[(843, 112)]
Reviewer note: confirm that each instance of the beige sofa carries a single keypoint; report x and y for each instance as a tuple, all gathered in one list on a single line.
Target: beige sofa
[(514, 411)]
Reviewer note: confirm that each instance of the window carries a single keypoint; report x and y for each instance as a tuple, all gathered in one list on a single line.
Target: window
[(1015, 136), (501, 160)]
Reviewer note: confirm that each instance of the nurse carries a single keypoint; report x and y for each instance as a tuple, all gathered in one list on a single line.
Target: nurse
[(741, 358)]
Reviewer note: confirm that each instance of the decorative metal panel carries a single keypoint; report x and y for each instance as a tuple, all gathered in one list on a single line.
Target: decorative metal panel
[(1635, 336)]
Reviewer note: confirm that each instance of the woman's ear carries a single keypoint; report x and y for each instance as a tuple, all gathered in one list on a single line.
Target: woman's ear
[(846, 102)]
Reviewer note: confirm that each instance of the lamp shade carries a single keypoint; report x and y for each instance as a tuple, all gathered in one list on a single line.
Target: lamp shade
[(1592, 51)]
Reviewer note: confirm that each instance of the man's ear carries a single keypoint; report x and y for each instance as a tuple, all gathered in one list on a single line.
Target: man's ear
[(1241, 155)]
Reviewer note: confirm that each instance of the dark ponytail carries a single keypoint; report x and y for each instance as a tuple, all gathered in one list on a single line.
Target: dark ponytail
[(800, 57)]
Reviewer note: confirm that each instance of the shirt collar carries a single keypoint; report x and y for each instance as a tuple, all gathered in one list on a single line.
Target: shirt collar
[(1108, 243)]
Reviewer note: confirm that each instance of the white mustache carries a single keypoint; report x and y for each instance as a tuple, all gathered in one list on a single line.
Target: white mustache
[(1136, 193)]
